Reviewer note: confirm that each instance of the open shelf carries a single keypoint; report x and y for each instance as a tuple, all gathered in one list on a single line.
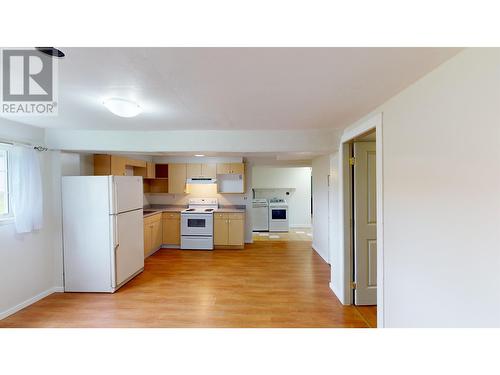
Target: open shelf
[(156, 185), (161, 171)]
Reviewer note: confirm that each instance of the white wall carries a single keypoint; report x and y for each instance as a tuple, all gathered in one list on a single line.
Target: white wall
[(31, 264), (321, 197), (299, 179), (441, 160)]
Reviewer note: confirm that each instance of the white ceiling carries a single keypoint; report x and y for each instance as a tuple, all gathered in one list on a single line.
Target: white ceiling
[(233, 88)]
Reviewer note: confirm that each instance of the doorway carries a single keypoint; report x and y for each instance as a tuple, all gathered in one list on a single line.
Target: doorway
[(343, 229), (363, 192), (359, 165)]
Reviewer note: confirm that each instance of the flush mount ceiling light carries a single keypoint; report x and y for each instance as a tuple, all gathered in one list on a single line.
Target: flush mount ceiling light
[(199, 155), (122, 107), (51, 51)]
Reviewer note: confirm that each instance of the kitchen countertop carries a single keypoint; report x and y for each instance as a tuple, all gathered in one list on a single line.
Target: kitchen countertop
[(238, 208), (158, 208)]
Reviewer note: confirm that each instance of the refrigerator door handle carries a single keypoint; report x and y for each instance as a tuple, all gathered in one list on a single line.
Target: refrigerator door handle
[(115, 248), (115, 197)]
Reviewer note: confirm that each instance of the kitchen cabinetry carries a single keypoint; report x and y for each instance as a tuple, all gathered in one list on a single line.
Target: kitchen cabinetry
[(230, 168), (150, 170), (153, 236), (171, 222), (176, 178), (105, 165), (229, 230), (207, 170), (163, 178), (231, 178)]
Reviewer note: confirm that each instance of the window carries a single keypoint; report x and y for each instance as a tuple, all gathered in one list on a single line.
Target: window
[(4, 184)]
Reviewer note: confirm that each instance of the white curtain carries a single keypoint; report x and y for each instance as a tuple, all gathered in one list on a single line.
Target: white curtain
[(26, 189)]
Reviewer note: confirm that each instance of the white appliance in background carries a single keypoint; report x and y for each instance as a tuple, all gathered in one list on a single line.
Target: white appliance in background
[(278, 215), (103, 234), (260, 215), (197, 224)]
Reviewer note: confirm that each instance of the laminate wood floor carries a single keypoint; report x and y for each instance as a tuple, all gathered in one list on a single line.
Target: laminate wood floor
[(294, 234), (268, 284)]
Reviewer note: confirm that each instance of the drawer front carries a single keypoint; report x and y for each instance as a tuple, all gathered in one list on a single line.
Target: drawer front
[(235, 215), (152, 218), (171, 215), (219, 215)]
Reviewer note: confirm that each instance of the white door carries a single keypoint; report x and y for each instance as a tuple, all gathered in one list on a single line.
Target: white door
[(129, 245), (126, 193), (365, 224)]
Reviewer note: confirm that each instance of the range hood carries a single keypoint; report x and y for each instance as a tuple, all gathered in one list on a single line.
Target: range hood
[(200, 180)]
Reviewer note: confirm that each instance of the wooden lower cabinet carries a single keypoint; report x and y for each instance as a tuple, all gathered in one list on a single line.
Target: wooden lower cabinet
[(229, 230), (221, 230), (153, 236), (171, 222)]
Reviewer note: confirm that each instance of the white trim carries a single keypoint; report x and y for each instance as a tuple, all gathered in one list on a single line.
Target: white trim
[(300, 226), (343, 291), (361, 128), (380, 223), (321, 256), (6, 219), (30, 301)]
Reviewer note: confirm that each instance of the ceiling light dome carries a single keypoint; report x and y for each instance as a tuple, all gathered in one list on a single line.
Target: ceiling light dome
[(122, 107)]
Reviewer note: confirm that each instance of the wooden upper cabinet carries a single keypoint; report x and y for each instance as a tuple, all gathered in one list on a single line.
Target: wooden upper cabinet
[(150, 170), (193, 170), (102, 165), (177, 174), (209, 170), (230, 168), (237, 168), (223, 168), (105, 165)]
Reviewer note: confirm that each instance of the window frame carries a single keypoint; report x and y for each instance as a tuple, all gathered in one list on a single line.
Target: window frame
[(8, 216)]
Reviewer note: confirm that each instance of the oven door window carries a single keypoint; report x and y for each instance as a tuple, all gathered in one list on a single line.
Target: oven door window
[(278, 214), (196, 223)]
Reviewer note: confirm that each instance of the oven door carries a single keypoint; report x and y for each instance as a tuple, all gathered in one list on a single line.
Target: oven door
[(278, 214), (197, 224)]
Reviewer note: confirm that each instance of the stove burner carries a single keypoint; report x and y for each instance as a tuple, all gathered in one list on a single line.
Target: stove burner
[(190, 209), (209, 210)]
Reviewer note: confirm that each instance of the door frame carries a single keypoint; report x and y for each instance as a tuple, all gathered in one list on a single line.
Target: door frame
[(374, 122)]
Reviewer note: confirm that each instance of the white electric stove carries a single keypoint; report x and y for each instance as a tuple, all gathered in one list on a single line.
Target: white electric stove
[(197, 224)]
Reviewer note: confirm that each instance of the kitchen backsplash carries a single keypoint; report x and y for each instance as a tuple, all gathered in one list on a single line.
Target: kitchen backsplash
[(198, 191), (284, 193)]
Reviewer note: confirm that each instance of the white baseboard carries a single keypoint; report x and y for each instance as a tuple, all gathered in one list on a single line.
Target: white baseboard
[(317, 252), (30, 301), (300, 226), (339, 297)]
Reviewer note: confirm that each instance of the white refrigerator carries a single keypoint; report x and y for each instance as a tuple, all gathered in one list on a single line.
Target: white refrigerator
[(103, 232)]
